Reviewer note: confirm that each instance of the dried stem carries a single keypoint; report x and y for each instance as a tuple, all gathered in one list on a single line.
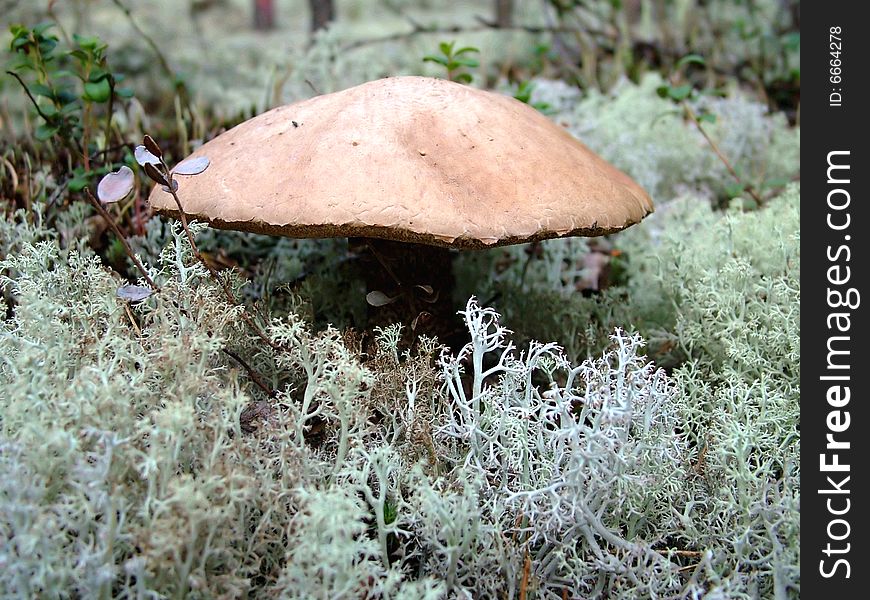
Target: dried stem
[(30, 95), (690, 553), (418, 29), (527, 568), (111, 223), (164, 64), (251, 373), (749, 188), (212, 271)]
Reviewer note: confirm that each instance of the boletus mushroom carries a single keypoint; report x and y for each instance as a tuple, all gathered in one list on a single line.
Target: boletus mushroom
[(409, 168)]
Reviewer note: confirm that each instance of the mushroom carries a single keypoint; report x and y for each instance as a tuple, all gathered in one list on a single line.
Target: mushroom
[(409, 167)]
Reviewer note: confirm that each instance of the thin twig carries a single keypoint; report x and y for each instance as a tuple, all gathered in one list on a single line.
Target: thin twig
[(746, 186), (110, 109), (132, 319), (313, 87), (532, 250), (692, 553), (527, 568), (97, 154), (251, 373), (383, 261), (111, 223), (417, 29), (212, 271), (29, 95), (70, 142), (164, 64)]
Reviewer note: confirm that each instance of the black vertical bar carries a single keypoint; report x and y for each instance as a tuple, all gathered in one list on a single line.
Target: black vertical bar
[(835, 426)]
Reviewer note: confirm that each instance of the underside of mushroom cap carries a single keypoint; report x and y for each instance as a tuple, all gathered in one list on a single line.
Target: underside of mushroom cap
[(411, 159)]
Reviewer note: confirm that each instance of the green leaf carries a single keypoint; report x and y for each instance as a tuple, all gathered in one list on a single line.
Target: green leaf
[(41, 28), (734, 189), (38, 89), (98, 74), (436, 59), (707, 118), (524, 92), (713, 92), (466, 49), (80, 55), (463, 78), (391, 511), (18, 30), (98, 91), (66, 97), (691, 59), (124, 92), (19, 42), (681, 92), (774, 183), (77, 184), (19, 63), (69, 109), (87, 42), (48, 110), (45, 132), (662, 91), (46, 47), (466, 62), (63, 73), (446, 48)]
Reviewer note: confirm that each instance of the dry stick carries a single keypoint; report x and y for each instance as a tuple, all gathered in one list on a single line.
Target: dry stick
[(225, 286), (418, 29), (380, 258), (164, 64), (132, 319), (98, 153), (180, 87), (749, 188), (37, 107), (692, 553), (214, 274), (13, 174), (532, 249), (110, 109), (111, 222), (524, 583), (251, 373), (29, 95)]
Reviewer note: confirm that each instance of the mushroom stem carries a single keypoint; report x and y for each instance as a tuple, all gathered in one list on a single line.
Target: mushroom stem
[(420, 279)]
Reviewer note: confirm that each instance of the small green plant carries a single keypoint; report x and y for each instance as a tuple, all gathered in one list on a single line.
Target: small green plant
[(682, 93), (773, 60), (455, 60), (71, 91), (524, 95)]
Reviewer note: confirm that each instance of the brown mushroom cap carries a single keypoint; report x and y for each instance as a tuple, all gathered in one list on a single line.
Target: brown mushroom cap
[(413, 159)]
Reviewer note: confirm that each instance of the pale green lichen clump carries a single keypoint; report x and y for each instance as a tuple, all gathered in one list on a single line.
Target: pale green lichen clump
[(637, 441), (125, 469)]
